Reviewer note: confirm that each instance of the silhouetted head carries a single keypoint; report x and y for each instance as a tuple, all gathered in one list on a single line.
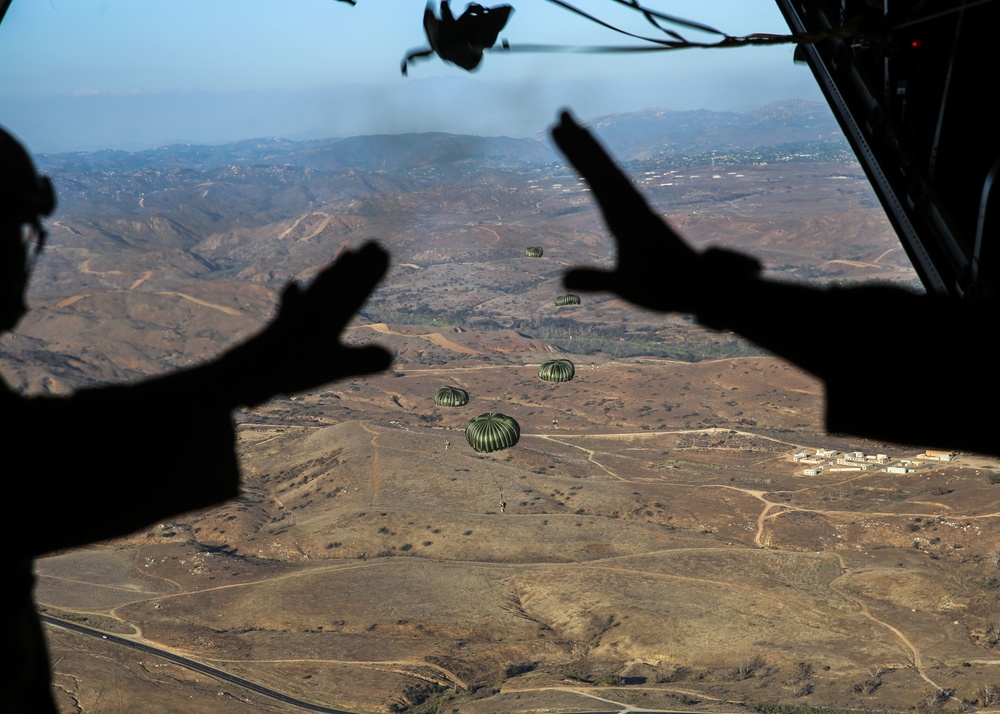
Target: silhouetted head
[(25, 198)]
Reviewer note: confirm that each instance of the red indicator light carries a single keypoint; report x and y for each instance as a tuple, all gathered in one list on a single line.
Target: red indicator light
[(915, 43)]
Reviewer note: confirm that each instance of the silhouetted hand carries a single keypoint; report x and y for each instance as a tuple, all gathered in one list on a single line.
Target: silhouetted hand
[(301, 348), (656, 268)]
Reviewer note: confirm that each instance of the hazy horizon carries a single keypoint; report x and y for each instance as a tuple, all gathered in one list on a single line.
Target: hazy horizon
[(94, 75), (358, 128)]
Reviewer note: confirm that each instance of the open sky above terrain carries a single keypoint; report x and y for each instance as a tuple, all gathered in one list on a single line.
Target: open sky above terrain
[(130, 73)]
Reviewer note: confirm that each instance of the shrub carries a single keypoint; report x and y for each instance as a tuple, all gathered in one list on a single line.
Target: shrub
[(610, 680), (516, 668), (802, 689)]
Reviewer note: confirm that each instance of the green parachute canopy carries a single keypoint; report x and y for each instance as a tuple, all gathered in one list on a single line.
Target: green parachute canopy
[(567, 300), (533, 252), (492, 432), (557, 370), (451, 397)]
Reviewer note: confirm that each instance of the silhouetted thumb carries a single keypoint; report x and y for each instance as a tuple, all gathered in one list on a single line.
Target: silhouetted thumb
[(364, 360), (291, 297), (588, 279)]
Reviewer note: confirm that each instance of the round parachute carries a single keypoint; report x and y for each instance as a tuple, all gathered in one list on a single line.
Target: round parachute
[(567, 300), (492, 432), (557, 370), (533, 252), (451, 397)]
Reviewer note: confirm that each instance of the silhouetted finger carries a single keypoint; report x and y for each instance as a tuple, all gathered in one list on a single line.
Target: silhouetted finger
[(582, 150), (363, 360), (589, 280), (625, 210), (592, 160), (338, 292), (353, 272)]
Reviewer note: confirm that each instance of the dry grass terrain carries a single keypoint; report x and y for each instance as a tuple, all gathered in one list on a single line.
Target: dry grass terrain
[(649, 542), (642, 556)]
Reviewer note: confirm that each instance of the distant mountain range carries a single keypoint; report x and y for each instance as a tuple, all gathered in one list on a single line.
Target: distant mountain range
[(658, 132), (632, 136)]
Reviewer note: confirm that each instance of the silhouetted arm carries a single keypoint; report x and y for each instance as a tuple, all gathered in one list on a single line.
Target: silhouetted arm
[(116, 459), (300, 349), (656, 268), (897, 366)]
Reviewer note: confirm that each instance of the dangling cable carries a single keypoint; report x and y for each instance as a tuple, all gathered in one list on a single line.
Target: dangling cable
[(602, 23), (476, 32), (851, 29), (652, 15)]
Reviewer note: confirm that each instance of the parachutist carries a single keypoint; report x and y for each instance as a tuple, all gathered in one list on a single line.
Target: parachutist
[(557, 370), (451, 397), (461, 41), (492, 431)]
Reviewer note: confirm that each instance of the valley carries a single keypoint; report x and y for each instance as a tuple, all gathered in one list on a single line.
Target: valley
[(650, 542)]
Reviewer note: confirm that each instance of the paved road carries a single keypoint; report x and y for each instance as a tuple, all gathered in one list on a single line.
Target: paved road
[(193, 665)]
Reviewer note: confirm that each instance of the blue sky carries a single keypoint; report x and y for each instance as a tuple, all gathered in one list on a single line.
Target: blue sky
[(131, 73)]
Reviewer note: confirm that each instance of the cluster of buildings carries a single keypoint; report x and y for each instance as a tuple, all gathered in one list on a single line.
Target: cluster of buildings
[(819, 460)]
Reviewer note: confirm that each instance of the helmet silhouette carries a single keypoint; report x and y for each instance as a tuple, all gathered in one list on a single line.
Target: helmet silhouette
[(24, 195)]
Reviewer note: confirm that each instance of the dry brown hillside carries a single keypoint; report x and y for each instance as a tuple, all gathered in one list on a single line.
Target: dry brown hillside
[(649, 542)]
